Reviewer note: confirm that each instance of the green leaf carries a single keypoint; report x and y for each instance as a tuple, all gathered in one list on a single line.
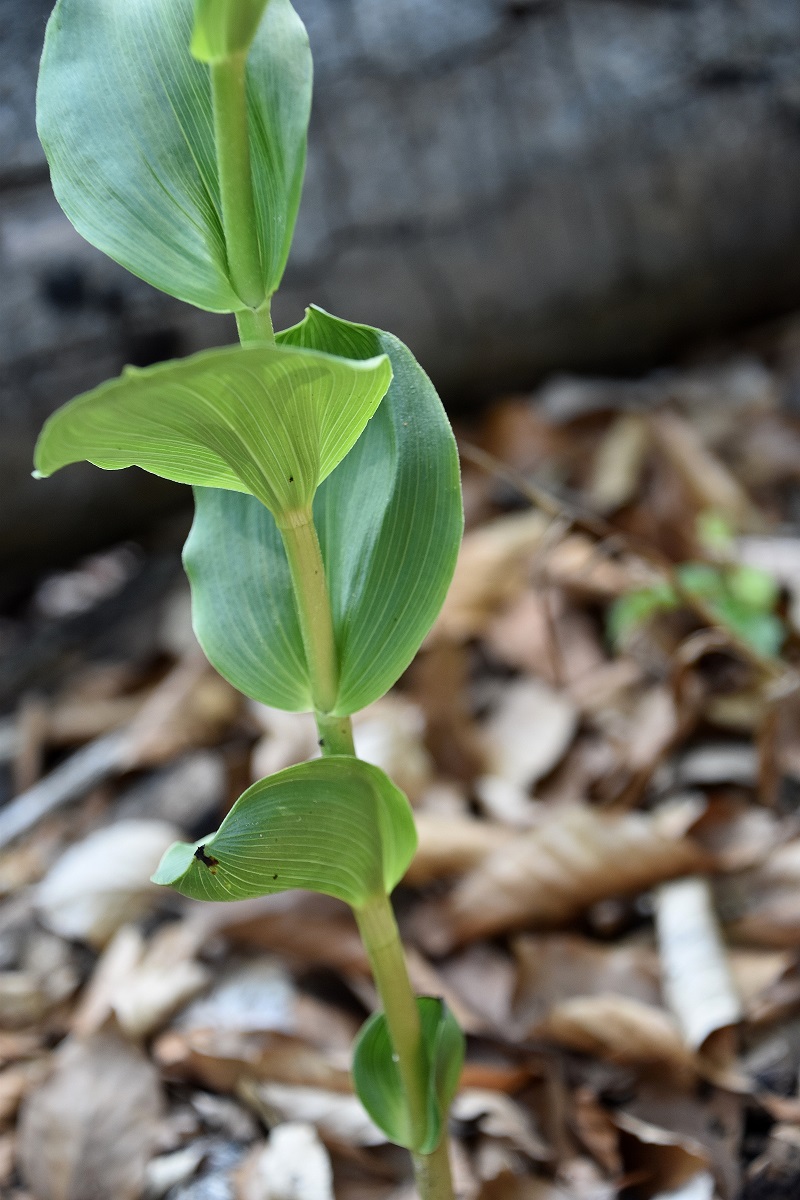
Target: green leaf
[(269, 420), (335, 825), (377, 1078), (632, 610), (389, 520), (125, 118), (224, 27)]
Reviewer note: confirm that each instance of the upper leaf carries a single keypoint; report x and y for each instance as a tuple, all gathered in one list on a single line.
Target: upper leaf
[(124, 114), (224, 27), (335, 825), (379, 1086), (270, 420), (389, 520)]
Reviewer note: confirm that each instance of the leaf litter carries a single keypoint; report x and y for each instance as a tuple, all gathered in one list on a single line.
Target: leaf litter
[(607, 886)]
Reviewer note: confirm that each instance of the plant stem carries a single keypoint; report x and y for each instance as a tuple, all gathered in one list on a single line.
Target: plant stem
[(381, 938), (432, 1171), (255, 325), (228, 93), (335, 734), (314, 609)]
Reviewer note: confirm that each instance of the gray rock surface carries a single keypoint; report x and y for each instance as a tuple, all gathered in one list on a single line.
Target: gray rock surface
[(513, 186)]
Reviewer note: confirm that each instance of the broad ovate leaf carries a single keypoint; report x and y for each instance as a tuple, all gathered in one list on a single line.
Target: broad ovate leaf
[(335, 825), (389, 520), (379, 1086), (224, 27), (125, 117), (269, 420)]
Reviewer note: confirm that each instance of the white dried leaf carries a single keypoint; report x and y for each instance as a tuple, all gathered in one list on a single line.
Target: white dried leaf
[(103, 882), (294, 1165)]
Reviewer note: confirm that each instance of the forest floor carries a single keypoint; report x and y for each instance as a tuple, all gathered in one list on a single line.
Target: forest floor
[(601, 739)]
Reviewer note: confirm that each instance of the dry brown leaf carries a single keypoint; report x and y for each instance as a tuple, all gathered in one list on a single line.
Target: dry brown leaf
[(337, 1118), (762, 905), (192, 707), (596, 1130), (698, 985), (551, 874), (554, 967), (668, 1161), (103, 882), (220, 1060), (88, 1132), (448, 846), (621, 1030), (493, 567), (498, 1116)]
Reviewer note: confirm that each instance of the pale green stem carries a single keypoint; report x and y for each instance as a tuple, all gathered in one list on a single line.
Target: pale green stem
[(432, 1171), (335, 735), (313, 607), (381, 938), (255, 325), (229, 97)]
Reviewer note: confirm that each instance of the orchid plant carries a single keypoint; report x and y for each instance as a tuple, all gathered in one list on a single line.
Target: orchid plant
[(327, 496)]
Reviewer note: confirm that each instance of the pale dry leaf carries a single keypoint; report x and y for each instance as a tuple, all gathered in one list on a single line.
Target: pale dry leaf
[(449, 846), (699, 1187), (167, 1171), (529, 732), (166, 978), (88, 1132), (762, 905), (258, 995), (550, 875), (192, 706), (621, 1030), (618, 464), (390, 735), (698, 985), (289, 738), (493, 567), (103, 882), (294, 1165)]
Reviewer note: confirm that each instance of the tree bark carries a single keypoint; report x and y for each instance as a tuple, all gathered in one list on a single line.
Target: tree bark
[(512, 186)]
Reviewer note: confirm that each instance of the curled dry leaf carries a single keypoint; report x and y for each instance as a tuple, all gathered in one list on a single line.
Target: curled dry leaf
[(498, 1116), (698, 984), (621, 1030), (668, 1161), (90, 1129), (103, 882), (294, 1165), (550, 875)]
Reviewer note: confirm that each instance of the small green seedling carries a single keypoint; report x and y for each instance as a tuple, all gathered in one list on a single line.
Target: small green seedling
[(740, 598), (327, 494)]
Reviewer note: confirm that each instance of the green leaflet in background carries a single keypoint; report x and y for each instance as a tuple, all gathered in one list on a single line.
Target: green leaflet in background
[(389, 520), (124, 115), (224, 27), (270, 420), (377, 1079), (335, 825)]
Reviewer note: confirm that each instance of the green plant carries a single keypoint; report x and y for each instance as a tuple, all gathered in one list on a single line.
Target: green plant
[(740, 598), (328, 505)]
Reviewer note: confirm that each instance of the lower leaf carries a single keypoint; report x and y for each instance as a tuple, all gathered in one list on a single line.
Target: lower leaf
[(377, 1078), (335, 825)]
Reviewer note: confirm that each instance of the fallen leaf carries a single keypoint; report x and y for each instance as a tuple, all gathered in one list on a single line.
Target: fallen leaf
[(88, 1132), (103, 882), (493, 567), (294, 1165), (528, 732), (621, 1030), (338, 1118), (618, 464), (390, 735), (551, 874), (498, 1116), (449, 846)]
